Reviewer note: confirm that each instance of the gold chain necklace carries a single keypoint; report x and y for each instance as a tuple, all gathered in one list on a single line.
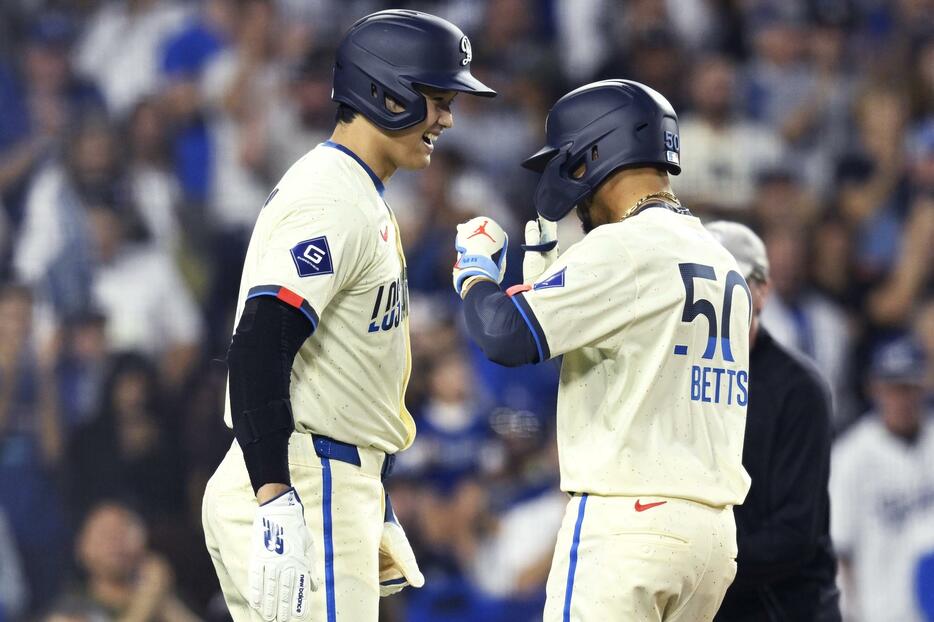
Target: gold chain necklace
[(663, 194)]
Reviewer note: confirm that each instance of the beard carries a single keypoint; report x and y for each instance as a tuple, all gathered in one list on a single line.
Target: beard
[(584, 214)]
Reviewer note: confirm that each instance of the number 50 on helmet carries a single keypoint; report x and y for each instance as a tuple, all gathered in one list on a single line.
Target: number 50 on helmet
[(594, 131)]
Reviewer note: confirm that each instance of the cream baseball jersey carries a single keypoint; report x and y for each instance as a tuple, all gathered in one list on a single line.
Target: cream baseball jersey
[(652, 317), (327, 244)]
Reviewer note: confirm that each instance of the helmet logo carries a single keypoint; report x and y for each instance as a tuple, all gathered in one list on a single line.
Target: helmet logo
[(465, 48)]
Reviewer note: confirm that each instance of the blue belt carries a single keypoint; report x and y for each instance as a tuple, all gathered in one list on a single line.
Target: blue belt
[(326, 447)]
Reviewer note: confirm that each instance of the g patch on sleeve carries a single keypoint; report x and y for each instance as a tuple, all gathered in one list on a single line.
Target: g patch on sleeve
[(555, 280), (313, 257)]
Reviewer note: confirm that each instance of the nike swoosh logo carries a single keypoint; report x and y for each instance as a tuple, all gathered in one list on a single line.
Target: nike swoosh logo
[(385, 233), (648, 506)]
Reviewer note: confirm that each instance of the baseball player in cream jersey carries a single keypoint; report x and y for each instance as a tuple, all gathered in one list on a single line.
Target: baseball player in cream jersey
[(295, 517), (652, 317)]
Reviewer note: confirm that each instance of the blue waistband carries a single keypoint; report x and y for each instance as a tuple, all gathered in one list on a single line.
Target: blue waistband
[(326, 447)]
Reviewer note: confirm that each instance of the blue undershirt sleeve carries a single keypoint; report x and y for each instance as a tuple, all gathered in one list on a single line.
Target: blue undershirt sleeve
[(501, 326)]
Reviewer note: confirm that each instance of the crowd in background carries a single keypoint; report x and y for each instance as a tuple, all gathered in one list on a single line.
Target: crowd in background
[(140, 138)]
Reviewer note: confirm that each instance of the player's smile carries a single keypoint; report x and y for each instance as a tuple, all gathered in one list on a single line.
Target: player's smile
[(429, 138)]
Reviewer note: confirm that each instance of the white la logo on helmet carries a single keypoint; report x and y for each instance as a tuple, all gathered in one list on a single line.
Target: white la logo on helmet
[(465, 48)]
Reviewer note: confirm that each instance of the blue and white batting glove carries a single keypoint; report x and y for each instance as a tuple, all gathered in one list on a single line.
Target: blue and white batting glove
[(282, 569), (481, 252), (397, 565), (541, 248)]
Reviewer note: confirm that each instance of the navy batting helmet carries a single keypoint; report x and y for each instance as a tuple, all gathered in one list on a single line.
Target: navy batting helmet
[(389, 53), (604, 126)]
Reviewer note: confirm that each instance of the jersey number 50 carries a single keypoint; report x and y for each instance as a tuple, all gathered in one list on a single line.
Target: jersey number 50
[(702, 306)]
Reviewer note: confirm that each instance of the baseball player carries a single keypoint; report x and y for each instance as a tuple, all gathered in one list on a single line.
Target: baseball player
[(882, 491), (295, 517), (652, 318)]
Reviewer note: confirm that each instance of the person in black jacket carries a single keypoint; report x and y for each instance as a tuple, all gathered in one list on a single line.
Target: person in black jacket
[(786, 563)]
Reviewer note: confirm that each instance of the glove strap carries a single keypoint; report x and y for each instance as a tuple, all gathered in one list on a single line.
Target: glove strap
[(540, 248)]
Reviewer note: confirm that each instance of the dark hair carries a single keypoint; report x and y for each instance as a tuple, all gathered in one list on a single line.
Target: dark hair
[(345, 114)]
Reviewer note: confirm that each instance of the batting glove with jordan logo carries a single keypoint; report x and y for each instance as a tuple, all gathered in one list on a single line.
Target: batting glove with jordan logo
[(541, 248), (481, 252), (397, 565), (281, 573)]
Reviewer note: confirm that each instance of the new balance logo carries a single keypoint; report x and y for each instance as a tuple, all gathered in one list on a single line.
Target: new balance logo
[(300, 598), (272, 537)]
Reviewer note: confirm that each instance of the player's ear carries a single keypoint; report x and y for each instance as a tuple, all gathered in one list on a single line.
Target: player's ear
[(393, 105)]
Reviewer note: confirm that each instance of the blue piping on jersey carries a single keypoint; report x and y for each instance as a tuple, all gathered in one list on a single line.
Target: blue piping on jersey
[(328, 541), (575, 543), (528, 322), (380, 188), (274, 290)]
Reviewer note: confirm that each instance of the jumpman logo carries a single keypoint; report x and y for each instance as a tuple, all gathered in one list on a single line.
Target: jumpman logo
[(481, 230)]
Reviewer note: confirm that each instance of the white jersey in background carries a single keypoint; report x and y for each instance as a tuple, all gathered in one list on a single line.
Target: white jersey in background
[(882, 518)]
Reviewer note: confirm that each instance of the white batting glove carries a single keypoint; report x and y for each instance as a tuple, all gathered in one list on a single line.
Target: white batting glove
[(481, 252), (397, 565), (541, 248), (282, 570)]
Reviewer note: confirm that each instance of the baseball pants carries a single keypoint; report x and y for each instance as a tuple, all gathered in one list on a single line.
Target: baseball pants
[(669, 562), (344, 509)]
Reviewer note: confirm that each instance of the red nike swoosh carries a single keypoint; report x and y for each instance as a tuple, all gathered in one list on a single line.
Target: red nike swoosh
[(648, 506), (385, 233)]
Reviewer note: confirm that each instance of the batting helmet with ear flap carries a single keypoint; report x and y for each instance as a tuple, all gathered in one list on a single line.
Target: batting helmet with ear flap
[(391, 52), (596, 130)]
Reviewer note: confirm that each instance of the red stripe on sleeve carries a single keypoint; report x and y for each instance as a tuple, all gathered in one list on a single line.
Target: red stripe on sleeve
[(290, 298), (518, 289)]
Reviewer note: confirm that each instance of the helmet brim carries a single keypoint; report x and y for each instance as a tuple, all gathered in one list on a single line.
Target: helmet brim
[(540, 159), (462, 82)]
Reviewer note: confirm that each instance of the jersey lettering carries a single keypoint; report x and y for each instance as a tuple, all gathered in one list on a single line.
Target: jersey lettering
[(396, 308), (718, 385)]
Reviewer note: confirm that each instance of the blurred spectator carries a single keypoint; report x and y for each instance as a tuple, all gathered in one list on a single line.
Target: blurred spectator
[(152, 184), (882, 491), (924, 328), (722, 154), (241, 83), (13, 594), (76, 610), (306, 116), (120, 49), (39, 98), (454, 433), (817, 128), (187, 53), (806, 321), (868, 182), (515, 552), (56, 249), (782, 199), (130, 449), (120, 575), (31, 442), (777, 82), (921, 81), (81, 366)]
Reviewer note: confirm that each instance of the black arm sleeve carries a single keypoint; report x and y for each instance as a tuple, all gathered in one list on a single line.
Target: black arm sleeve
[(268, 336), (495, 324)]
